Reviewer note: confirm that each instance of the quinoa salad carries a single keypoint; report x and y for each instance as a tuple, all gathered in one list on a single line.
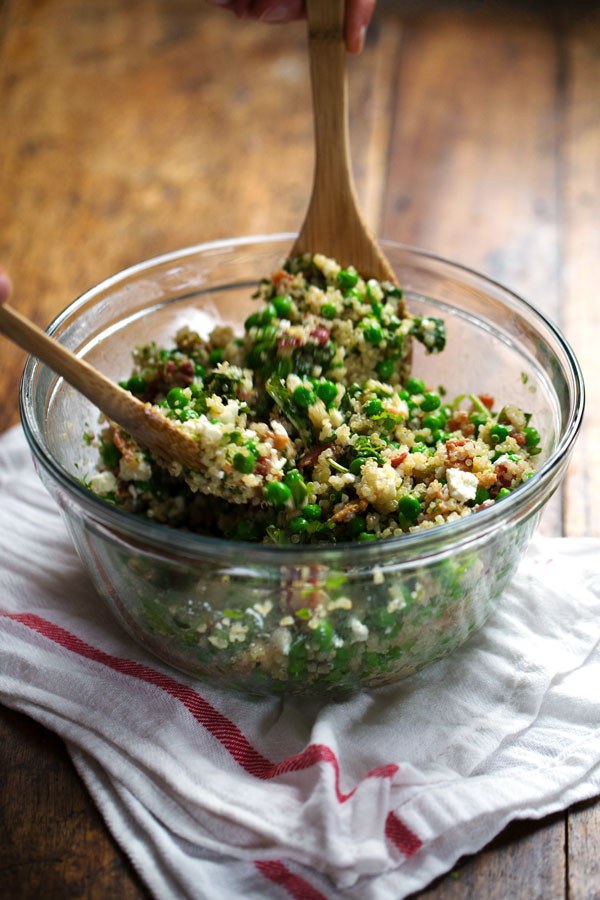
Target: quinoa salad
[(312, 428)]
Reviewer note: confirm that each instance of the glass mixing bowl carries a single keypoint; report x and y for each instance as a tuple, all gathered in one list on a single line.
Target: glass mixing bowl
[(227, 610)]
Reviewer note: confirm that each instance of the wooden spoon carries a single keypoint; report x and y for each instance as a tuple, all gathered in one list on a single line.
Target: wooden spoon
[(150, 429), (334, 225)]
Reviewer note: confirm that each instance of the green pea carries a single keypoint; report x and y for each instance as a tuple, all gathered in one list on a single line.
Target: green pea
[(481, 495), (367, 536), (356, 526), (404, 395), (295, 482), (312, 512), (420, 448), (502, 493), (137, 384), (532, 437), (304, 397), (377, 309), (434, 422), (277, 493), (373, 334), (244, 462), (297, 525), (283, 306), (415, 386), (357, 464), (253, 321), (184, 414), (498, 433), (430, 401), (176, 398), (440, 435), (268, 313), (216, 355), (385, 369), (347, 279), (327, 391), (199, 370), (353, 389), (323, 636), (373, 408), (410, 507), (329, 310)]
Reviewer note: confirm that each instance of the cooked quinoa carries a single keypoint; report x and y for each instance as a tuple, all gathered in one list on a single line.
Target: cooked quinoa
[(311, 426)]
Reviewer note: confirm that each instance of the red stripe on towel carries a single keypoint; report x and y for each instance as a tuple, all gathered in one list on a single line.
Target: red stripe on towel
[(222, 728), (404, 839), (297, 887)]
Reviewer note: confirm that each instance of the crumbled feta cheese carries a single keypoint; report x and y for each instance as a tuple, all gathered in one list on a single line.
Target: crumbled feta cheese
[(282, 639), (358, 631), (461, 485), (104, 483)]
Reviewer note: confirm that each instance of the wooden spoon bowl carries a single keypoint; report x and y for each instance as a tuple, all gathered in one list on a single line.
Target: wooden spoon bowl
[(334, 225), (143, 423)]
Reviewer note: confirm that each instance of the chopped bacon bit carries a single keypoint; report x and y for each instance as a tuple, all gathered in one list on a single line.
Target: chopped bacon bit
[(280, 277), (310, 458), (459, 419), (398, 460), (349, 511), (187, 370), (519, 438), (170, 367), (289, 341), (263, 465), (503, 476), (123, 442), (279, 441), (486, 399), (320, 334), (468, 429)]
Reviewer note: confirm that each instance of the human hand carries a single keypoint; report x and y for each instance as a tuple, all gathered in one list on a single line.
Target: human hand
[(358, 15), (5, 286)]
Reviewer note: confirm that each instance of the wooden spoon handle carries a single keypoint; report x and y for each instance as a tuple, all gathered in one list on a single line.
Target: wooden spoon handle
[(135, 417), (327, 55), (89, 381)]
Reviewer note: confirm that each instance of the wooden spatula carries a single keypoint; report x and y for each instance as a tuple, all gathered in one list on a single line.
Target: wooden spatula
[(334, 225), (151, 430)]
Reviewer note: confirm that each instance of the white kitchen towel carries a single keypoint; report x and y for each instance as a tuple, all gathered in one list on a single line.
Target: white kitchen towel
[(215, 795)]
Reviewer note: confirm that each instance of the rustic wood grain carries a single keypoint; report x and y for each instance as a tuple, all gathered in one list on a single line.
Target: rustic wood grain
[(133, 129), (581, 263), (581, 276), (54, 841)]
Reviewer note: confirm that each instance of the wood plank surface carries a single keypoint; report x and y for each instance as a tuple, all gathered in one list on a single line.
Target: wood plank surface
[(133, 129)]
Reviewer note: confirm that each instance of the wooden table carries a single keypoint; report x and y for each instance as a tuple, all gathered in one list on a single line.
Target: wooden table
[(133, 129)]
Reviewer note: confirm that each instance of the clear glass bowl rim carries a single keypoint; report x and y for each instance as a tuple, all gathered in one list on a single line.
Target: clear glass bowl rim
[(406, 548)]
